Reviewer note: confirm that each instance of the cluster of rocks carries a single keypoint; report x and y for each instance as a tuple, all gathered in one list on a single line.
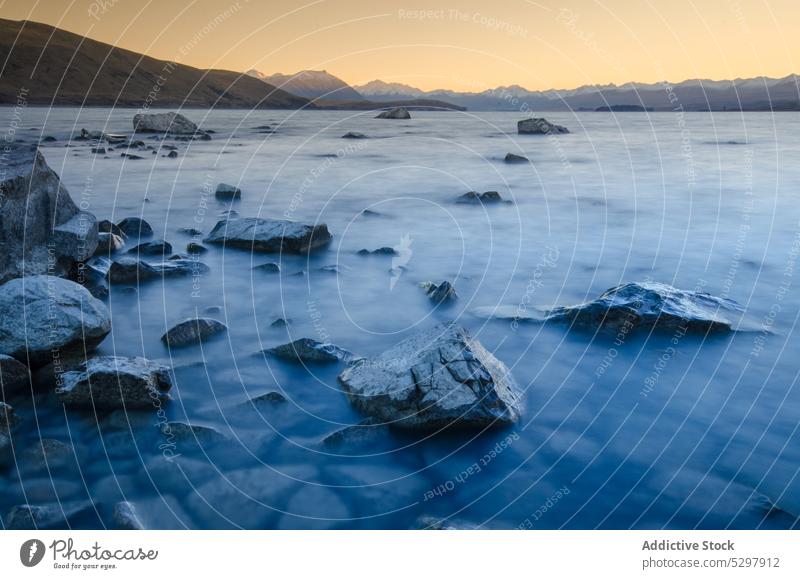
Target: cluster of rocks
[(475, 198)]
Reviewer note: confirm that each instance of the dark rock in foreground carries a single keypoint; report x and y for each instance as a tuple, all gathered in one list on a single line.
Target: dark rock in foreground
[(135, 227), (14, 377), (395, 113), (156, 247), (269, 235), (42, 230), (168, 123), (108, 243), (539, 126), (512, 158), (475, 198), (193, 331), (442, 293), (225, 191), (438, 377), (649, 305), (130, 269), (124, 517), (43, 316), (308, 350), (111, 382)]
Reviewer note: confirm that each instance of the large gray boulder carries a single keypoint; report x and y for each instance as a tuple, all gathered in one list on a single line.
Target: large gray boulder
[(43, 317), (168, 123), (129, 269), (539, 126), (42, 231), (111, 382), (269, 235), (652, 305), (395, 113), (438, 377)]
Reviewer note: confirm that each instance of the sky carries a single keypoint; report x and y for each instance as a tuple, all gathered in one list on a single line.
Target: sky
[(465, 45)]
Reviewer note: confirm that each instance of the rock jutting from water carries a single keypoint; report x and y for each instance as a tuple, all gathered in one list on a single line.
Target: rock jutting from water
[(308, 350), (441, 293), (475, 198), (135, 227), (167, 123), (539, 126), (42, 230), (130, 269), (227, 192), (512, 158), (124, 517), (632, 306), (380, 251), (192, 331), (111, 382), (436, 378), (269, 235), (108, 243), (395, 113), (156, 247), (43, 317)]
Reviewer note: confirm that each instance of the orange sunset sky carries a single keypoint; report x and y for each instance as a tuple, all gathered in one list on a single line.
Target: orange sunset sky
[(462, 45)]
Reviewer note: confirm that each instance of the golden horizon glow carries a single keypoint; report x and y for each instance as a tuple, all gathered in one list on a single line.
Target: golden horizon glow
[(466, 46)]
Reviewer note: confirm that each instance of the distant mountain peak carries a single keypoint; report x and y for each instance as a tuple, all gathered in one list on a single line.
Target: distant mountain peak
[(311, 84)]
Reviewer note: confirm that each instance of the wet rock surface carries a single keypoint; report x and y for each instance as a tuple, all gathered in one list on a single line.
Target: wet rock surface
[(308, 350), (193, 331), (171, 123), (539, 126), (225, 191), (269, 235), (40, 315), (441, 293), (14, 376), (135, 227), (131, 269), (395, 113), (439, 377)]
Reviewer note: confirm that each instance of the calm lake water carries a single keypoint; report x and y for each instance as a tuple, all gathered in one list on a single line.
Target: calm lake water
[(660, 431)]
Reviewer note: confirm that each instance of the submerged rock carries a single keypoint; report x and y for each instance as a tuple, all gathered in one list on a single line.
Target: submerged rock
[(182, 432), (354, 135), (269, 398), (130, 269), (135, 227), (43, 316), (192, 331), (438, 377), (442, 293), (269, 235), (8, 418), (395, 113), (106, 226), (42, 230), (170, 123), (367, 432), (308, 350), (156, 247), (380, 251), (195, 248), (268, 267), (225, 191), (44, 517), (14, 377), (111, 382), (48, 453), (512, 158), (124, 517), (539, 126), (475, 198), (652, 305)]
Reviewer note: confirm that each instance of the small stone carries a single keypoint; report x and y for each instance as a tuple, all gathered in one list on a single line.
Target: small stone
[(192, 331)]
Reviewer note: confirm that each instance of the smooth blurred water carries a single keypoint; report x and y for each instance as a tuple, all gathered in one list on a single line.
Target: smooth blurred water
[(661, 431)]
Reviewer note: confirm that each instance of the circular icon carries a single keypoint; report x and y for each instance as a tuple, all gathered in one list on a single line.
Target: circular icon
[(32, 552)]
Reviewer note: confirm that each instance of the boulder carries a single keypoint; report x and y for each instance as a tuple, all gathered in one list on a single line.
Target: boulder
[(106, 226), (156, 247), (168, 123), (539, 126), (354, 135), (652, 305), (130, 269), (124, 517), (442, 293), (172, 155), (308, 350), (395, 113), (111, 382), (43, 317), (193, 248), (436, 378), (135, 227), (512, 158), (269, 235), (42, 231), (268, 267), (192, 331), (475, 198), (108, 243), (225, 191), (14, 377)]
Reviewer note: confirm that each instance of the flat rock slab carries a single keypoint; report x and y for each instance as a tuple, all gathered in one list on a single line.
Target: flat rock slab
[(41, 316), (269, 235), (539, 126), (131, 270), (112, 382), (169, 123), (436, 378), (308, 350), (192, 331)]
